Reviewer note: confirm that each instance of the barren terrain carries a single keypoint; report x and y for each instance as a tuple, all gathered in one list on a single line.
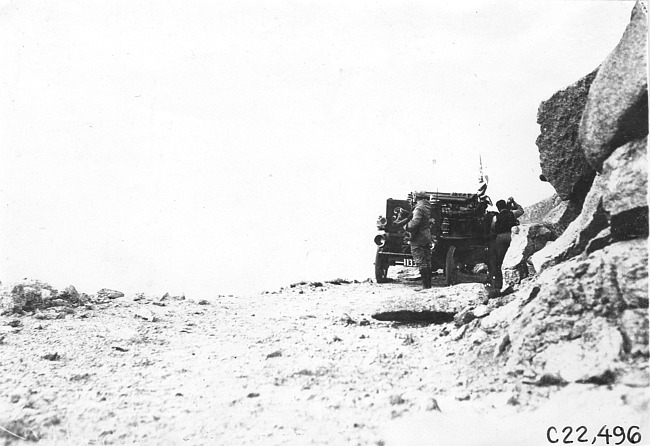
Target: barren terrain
[(305, 365)]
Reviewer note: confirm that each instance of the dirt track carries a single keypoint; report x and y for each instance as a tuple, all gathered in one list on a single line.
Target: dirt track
[(307, 365)]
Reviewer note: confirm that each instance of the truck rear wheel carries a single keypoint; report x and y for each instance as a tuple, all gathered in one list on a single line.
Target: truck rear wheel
[(451, 267), (381, 268)]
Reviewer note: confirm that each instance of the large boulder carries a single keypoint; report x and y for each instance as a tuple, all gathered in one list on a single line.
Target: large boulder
[(34, 295), (70, 294), (562, 160), (526, 240), (626, 198), (26, 298), (561, 216), (28, 295), (586, 315), (553, 211), (536, 212), (616, 111), (592, 355), (574, 240), (616, 208)]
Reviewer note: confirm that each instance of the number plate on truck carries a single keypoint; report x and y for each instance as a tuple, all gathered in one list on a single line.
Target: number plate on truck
[(409, 262)]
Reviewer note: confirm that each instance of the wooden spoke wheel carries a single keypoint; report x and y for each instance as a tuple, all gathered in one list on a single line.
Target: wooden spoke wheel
[(451, 267)]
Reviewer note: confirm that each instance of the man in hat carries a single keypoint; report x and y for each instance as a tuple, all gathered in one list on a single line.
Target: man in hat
[(420, 242)]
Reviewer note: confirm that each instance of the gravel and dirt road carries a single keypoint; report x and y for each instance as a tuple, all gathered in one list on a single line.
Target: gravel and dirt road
[(305, 365)]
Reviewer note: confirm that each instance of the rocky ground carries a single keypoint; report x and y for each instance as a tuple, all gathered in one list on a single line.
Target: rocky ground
[(562, 359), (315, 363)]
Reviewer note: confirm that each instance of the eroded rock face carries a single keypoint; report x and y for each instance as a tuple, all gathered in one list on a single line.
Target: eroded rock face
[(26, 298), (33, 295), (616, 208), (562, 160), (70, 294), (589, 357), (634, 328), (616, 111), (553, 211), (626, 197), (28, 295), (592, 220), (538, 211), (526, 240), (586, 314), (561, 216)]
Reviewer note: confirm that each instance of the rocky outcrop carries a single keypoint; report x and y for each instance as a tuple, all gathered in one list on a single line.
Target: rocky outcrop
[(585, 123), (626, 196), (106, 293), (26, 297), (70, 293), (168, 296), (575, 239), (468, 314), (616, 204), (538, 211), (585, 316), (633, 325), (554, 212), (562, 160), (34, 295), (616, 111), (561, 216), (526, 240)]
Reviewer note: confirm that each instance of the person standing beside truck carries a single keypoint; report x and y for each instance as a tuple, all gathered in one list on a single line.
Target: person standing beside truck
[(501, 234), (420, 242)]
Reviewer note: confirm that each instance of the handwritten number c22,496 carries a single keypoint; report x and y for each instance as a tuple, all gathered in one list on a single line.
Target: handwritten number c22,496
[(568, 435)]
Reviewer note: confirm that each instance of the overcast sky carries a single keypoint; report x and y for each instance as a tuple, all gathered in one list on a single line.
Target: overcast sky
[(208, 147)]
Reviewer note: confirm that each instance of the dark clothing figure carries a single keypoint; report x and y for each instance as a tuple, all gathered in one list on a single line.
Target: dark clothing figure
[(420, 242), (500, 247), (418, 226), (500, 237), (505, 220), (422, 256)]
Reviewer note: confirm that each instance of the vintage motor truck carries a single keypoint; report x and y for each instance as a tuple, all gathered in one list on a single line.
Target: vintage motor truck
[(460, 229)]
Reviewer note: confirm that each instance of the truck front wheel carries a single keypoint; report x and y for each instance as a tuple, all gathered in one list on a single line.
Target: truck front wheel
[(381, 267)]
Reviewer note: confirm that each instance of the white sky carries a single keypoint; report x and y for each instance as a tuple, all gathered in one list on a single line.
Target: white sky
[(213, 147)]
